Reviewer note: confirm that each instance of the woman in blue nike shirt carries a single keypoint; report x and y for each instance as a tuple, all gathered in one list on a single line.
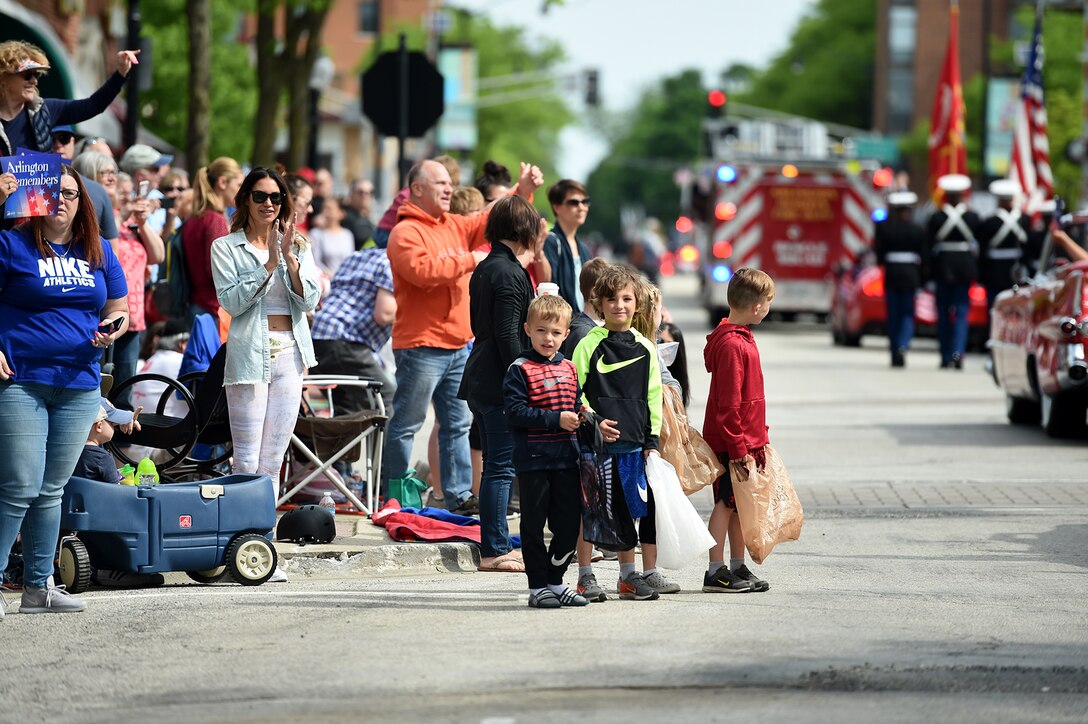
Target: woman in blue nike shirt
[(58, 282)]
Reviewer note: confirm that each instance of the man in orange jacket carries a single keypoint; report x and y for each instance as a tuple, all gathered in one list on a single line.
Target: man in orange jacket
[(432, 254)]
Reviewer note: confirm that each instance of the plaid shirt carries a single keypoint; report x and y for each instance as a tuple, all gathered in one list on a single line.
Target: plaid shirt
[(347, 313)]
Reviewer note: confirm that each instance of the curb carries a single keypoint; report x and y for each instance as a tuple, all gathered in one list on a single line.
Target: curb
[(338, 561)]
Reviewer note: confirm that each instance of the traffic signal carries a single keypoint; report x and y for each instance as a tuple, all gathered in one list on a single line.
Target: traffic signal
[(593, 98), (716, 101)]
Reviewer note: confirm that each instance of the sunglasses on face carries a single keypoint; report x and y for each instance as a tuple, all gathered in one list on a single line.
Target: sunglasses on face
[(259, 197), (178, 189), (69, 194), (575, 203), (32, 74), (63, 138)]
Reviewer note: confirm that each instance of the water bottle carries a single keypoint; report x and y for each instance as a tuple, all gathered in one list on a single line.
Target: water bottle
[(328, 503), (146, 474)]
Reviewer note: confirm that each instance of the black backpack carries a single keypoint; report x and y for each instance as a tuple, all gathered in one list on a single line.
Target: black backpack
[(172, 293)]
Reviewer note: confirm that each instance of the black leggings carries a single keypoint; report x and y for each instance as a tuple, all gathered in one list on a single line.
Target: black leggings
[(552, 497)]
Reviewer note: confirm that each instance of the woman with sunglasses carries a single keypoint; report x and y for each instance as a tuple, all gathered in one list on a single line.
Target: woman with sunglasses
[(565, 254), (58, 283), (266, 280), (27, 118)]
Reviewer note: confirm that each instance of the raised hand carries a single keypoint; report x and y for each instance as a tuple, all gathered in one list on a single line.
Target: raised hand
[(273, 247), (530, 178), (125, 60), (287, 241)]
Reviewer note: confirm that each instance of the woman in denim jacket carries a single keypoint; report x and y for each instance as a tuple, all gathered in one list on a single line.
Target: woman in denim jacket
[(267, 282)]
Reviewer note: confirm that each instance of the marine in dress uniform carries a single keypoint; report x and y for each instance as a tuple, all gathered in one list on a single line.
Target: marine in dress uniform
[(952, 233), (900, 246), (1001, 240)]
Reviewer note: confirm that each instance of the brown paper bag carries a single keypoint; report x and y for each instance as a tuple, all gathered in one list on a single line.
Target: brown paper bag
[(767, 504), (696, 464)]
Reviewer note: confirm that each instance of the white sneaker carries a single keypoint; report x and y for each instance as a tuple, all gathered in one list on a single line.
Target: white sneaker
[(3, 606), (280, 576), (53, 599)]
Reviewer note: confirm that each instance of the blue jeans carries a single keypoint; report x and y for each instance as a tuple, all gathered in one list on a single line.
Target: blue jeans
[(952, 304), (42, 433), (426, 374), (498, 447), (900, 306), (126, 355)]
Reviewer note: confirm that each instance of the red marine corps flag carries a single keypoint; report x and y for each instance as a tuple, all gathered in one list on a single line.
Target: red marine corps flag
[(947, 149), (1030, 166)]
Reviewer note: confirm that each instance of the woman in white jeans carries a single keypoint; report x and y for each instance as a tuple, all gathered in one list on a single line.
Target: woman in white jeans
[(266, 280)]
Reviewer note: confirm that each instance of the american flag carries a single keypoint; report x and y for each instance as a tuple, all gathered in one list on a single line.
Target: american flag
[(1030, 165)]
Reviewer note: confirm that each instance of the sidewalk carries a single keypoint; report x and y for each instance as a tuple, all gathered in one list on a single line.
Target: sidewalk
[(363, 549)]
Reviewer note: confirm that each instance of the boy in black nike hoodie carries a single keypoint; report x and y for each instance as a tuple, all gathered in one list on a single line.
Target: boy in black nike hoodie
[(621, 381), (541, 402)]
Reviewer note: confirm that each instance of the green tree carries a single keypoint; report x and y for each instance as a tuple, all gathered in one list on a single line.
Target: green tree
[(233, 93), (663, 133), (826, 71)]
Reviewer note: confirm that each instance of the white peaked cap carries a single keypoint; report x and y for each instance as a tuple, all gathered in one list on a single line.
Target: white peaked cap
[(902, 198), (954, 183), (1049, 206), (1004, 188)]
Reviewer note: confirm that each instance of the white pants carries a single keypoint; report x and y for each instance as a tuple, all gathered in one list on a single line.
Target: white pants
[(263, 415)]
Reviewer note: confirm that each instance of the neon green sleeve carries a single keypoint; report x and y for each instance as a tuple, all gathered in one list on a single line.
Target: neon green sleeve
[(653, 389)]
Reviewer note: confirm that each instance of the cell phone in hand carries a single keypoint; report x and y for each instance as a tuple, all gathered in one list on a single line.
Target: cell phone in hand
[(111, 326), (143, 190)]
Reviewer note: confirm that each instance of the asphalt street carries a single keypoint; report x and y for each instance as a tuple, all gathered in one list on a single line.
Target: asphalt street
[(941, 575)]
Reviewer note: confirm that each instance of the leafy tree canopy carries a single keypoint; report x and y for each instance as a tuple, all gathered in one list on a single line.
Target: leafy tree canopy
[(233, 85), (826, 71), (662, 133)]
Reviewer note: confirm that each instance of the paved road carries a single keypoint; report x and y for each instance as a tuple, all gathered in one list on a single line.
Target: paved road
[(941, 575)]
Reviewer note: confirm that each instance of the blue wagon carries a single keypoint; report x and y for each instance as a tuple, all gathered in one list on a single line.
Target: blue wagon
[(205, 528)]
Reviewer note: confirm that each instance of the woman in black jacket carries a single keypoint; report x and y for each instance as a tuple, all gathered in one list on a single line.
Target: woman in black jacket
[(499, 296)]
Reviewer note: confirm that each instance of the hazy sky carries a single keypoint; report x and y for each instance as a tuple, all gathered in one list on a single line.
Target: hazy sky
[(636, 42)]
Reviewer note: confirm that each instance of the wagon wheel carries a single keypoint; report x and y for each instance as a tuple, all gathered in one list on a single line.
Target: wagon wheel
[(251, 559), (74, 565), (212, 575)]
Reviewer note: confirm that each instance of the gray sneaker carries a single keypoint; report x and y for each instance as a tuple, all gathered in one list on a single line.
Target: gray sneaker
[(633, 588), (3, 606), (659, 583), (589, 590), (52, 599)]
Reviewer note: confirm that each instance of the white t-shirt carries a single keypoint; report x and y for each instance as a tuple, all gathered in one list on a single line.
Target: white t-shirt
[(276, 300), (330, 248)]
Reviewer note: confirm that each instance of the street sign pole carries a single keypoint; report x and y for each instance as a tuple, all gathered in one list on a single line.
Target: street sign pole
[(402, 110)]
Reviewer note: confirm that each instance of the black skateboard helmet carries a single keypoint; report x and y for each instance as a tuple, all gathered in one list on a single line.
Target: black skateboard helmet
[(307, 524)]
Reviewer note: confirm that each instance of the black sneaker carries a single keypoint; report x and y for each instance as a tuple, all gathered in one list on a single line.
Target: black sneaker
[(468, 506), (722, 581), (758, 584)]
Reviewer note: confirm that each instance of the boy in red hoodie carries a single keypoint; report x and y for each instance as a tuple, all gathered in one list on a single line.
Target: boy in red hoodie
[(735, 425)]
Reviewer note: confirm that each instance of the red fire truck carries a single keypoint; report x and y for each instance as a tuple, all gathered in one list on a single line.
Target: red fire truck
[(789, 195)]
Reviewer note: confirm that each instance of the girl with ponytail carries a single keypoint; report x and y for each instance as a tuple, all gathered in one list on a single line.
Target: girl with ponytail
[(214, 189)]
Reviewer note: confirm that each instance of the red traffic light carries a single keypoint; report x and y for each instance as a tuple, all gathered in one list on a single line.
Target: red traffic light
[(883, 177), (716, 98)]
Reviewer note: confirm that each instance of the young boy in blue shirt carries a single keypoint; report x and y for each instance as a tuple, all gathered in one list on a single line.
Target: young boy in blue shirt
[(540, 396), (621, 381)]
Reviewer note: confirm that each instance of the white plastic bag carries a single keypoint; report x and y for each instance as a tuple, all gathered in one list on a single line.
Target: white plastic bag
[(681, 533)]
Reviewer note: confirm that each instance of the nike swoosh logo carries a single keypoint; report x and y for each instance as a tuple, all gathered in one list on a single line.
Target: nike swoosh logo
[(550, 383), (604, 368), (66, 289), (562, 560), (642, 493)]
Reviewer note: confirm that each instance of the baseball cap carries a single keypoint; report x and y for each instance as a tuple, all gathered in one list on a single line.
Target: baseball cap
[(106, 411), (142, 156), (62, 129)]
